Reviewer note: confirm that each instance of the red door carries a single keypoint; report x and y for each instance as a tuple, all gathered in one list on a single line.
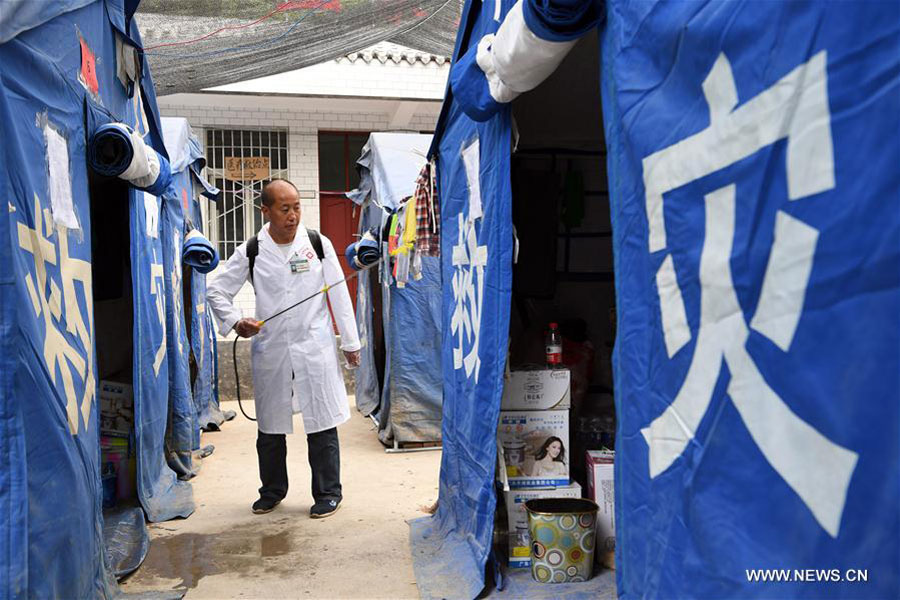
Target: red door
[(339, 223)]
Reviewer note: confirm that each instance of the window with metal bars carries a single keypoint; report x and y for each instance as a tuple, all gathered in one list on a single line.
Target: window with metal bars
[(234, 167)]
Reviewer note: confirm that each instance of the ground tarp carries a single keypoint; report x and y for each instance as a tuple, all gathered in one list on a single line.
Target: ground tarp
[(71, 66), (758, 287), (407, 403)]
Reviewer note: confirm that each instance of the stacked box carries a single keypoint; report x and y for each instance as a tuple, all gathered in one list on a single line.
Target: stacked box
[(534, 445), (116, 408), (517, 516), (544, 389), (600, 489)]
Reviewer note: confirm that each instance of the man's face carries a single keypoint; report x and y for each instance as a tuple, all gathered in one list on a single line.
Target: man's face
[(284, 213)]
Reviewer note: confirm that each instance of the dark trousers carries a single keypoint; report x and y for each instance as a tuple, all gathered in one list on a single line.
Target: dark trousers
[(324, 460)]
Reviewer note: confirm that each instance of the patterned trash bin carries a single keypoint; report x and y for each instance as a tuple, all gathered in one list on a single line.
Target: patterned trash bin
[(562, 539)]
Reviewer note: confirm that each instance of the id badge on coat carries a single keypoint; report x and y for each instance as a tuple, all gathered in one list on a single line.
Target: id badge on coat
[(299, 265)]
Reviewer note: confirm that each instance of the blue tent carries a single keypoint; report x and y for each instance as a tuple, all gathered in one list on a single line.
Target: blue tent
[(750, 156), (398, 381), (80, 252), (193, 405)]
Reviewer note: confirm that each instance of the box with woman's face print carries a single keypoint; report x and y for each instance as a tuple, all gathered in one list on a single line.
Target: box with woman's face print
[(535, 447)]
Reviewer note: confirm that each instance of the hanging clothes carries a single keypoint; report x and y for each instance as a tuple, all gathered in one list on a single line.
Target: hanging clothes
[(428, 213)]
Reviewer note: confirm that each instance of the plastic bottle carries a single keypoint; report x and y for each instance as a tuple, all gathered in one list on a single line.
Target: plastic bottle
[(554, 347)]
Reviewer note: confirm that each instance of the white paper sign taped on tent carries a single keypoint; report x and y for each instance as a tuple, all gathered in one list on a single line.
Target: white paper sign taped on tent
[(472, 161), (151, 212), (60, 182)]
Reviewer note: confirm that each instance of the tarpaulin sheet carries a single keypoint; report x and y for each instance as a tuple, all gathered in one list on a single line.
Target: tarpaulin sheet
[(388, 168), (187, 160), (126, 538), (13, 464), (753, 179), (51, 491), (368, 382), (414, 371), (476, 265), (757, 272), (519, 583), (407, 404), (18, 16), (162, 494), (182, 428)]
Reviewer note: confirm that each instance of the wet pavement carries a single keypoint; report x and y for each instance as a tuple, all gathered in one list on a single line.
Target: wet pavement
[(224, 550)]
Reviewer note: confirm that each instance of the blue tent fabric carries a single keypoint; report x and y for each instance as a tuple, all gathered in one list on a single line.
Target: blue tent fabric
[(50, 420), (416, 390), (407, 403), (757, 279), (19, 16), (182, 413), (199, 253), (13, 474), (187, 159), (162, 494), (476, 268), (114, 149), (474, 358), (814, 327), (368, 391)]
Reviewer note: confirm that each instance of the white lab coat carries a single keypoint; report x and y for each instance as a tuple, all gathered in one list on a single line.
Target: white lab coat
[(299, 343)]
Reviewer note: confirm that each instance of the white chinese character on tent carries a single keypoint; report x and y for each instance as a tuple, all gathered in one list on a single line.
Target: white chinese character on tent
[(59, 306), (157, 289), (795, 108), (176, 289), (469, 260)]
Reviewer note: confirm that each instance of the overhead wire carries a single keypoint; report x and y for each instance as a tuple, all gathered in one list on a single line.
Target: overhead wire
[(255, 45)]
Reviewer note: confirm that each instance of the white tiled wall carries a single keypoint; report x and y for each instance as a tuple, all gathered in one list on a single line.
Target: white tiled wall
[(303, 127)]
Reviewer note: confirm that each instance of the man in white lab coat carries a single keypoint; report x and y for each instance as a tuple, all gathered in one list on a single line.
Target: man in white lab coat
[(295, 366)]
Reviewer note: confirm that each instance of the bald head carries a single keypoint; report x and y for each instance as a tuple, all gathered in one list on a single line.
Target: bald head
[(277, 187), (281, 207)]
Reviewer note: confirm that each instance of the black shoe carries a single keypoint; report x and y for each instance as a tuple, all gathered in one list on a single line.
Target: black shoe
[(265, 505), (323, 509)]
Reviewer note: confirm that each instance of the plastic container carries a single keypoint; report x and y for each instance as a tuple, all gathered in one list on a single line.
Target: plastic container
[(554, 347), (562, 539)]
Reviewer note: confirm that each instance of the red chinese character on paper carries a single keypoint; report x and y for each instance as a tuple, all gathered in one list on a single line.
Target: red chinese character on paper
[(88, 75)]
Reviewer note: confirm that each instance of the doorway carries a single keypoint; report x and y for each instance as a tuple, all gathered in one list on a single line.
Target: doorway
[(338, 216)]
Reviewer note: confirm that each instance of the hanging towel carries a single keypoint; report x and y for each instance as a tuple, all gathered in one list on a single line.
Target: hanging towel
[(116, 150), (363, 253), (199, 253)]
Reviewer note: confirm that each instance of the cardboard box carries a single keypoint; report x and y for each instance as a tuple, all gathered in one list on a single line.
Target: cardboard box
[(600, 489), (519, 539), (545, 389), (530, 441), (116, 408)]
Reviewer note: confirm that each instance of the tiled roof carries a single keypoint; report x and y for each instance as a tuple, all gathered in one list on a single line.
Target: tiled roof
[(395, 53)]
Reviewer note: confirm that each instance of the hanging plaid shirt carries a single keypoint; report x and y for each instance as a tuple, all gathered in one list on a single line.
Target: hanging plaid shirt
[(428, 213)]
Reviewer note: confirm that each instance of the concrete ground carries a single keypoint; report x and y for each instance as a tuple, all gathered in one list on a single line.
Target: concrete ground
[(225, 551)]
